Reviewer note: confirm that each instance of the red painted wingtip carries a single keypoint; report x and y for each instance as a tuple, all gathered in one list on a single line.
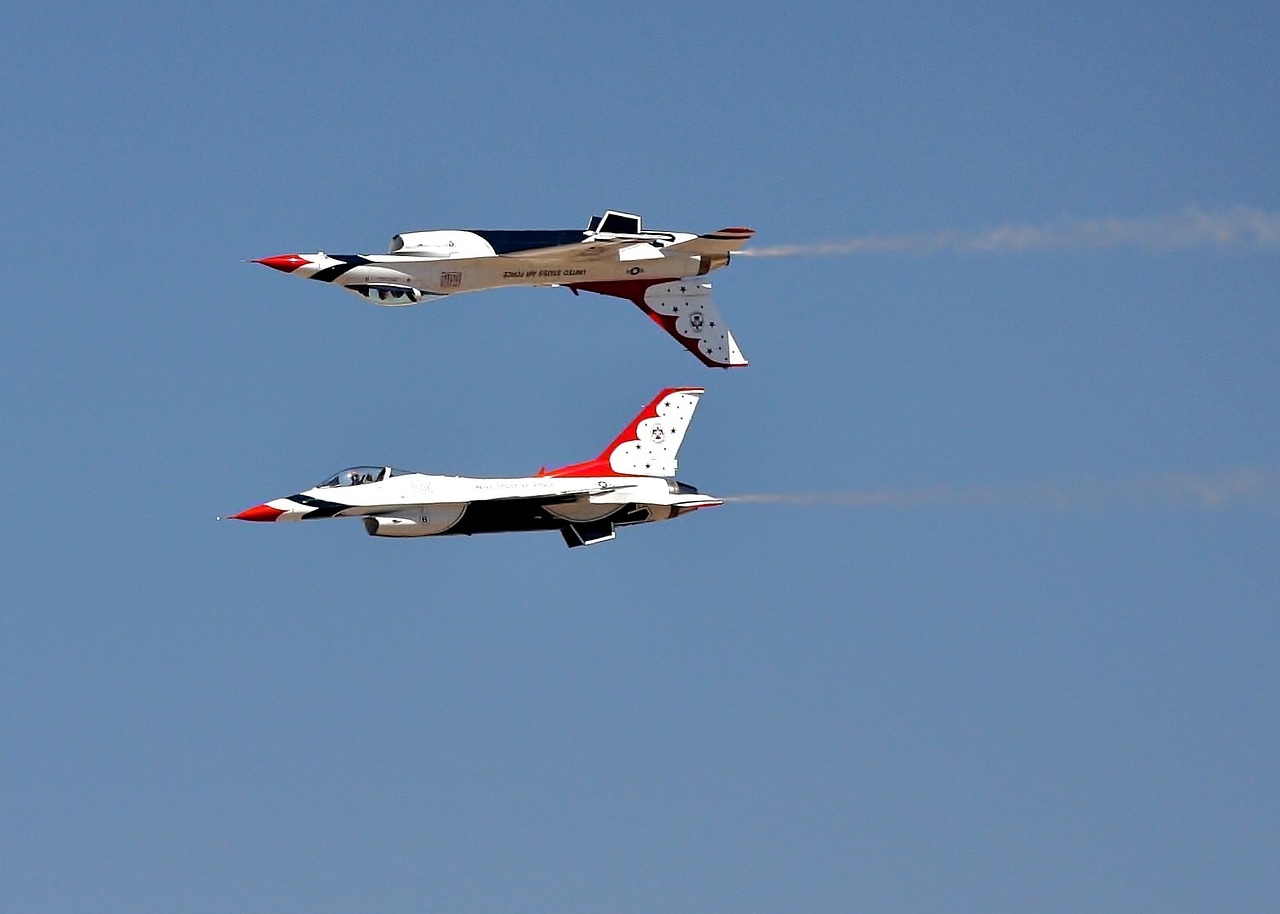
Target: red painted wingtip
[(258, 512), (285, 263)]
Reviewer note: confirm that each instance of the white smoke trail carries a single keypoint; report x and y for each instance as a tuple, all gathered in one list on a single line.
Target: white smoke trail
[(1245, 487), (1241, 227)]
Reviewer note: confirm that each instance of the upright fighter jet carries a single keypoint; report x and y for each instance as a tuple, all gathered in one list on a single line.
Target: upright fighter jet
[(631, 482), (661, 272)]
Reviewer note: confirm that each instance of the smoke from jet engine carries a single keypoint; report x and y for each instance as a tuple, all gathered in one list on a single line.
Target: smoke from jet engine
[(1241, 227), (1245, 487)]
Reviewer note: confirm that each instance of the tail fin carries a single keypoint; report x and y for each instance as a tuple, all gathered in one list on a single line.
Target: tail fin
[(648, 446)]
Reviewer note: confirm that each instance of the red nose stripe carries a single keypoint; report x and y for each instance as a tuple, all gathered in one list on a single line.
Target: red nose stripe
[(285, 263), (258, 512)]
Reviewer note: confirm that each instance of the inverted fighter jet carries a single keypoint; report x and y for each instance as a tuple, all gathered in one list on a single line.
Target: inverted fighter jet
[(631, 482), (661, 272)]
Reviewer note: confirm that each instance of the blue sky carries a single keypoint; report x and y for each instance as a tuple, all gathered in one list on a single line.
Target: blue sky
[(1024, 658)]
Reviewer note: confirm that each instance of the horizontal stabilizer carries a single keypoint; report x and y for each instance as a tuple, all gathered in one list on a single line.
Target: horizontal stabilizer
[(724, 241)]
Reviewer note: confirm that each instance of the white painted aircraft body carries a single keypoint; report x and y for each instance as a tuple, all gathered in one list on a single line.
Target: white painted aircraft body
[(660, 272), (631, 482)]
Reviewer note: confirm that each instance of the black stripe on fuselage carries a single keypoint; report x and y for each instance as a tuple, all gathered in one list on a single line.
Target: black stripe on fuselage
[(349, 262), (511, 241), (516, 516), (322, 508)]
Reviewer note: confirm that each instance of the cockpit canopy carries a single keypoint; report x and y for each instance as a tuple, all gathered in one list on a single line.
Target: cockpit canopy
[(358, 476), (616, 223)]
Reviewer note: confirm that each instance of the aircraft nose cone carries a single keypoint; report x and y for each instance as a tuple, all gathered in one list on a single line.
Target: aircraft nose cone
[(258, 512), (285, 263)]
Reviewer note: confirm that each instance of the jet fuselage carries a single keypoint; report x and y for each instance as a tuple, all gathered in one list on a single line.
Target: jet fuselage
[(660, 272)]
